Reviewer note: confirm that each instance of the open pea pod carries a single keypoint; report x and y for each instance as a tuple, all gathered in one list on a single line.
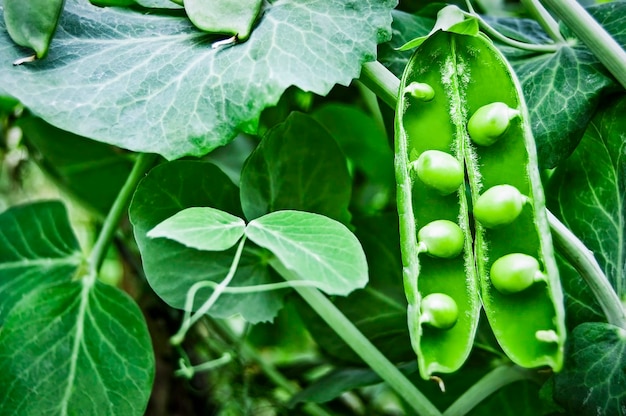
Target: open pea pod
[(32, 23), (461, 107)]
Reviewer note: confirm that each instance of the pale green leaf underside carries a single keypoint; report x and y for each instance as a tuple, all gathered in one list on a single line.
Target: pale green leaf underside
[(37, 248), (152, 83), (68, 349), (202, 228), (317, 248)]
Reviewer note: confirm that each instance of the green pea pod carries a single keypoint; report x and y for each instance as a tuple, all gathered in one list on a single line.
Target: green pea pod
[(232, 17), (32, 23), (466, 73), (424, 126), (529, 325)]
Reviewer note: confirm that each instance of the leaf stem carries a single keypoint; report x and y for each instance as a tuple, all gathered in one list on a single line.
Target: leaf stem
[(359, 343), (248, 353), (597, 39), (585, 263), (487, 28), (486, 386), (190, 319), (381, 81), (142, 164), (545, 19)]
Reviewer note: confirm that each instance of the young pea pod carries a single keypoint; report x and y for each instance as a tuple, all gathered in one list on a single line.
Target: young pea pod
[(32, 23), (460, 98), (520, 287), (436, 242)]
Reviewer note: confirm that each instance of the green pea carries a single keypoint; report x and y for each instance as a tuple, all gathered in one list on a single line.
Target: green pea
[(499, 205), (515, 272), (490, 122), (439, 311), (420, 91), (441, 238), (439, 170), (32, 23)]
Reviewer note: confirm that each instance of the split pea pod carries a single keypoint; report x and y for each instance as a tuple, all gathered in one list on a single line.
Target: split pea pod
[(520, 287), (429, 150), (460, 97)]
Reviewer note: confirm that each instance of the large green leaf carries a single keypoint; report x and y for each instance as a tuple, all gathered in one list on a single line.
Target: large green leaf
[(365, 144), (317, 248), (92, 171), (37, 248), (588, 192), (172, 268), (297, 166), (152, 83), (593, 380), (75, 349)]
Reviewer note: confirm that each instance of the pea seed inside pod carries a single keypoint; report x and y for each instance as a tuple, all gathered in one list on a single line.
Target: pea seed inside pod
[(499, 205), (490, 122), (439, 170), (420, 91), (439, 311), (515, 272), (441, 238)]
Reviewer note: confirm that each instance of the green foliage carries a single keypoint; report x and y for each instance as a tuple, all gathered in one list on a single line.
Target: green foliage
[(275, 236), (115, 66)]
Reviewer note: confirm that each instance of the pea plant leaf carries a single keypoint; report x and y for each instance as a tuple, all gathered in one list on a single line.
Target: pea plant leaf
[(365, 144), (202, 228), (593, 380), (560, 104), (37, 249), (113, 66), (92, 354), (317, 248), (172, 268), (76, 163), (298, 165), (588, 192)]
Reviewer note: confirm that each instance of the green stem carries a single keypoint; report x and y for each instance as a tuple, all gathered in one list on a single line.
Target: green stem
[(486, 27), (381, 81), (248, 353), (360, 344), (545, 19), (598, 40), (190, 319), (188, 371), (142, 164), (485, 387), (587, 266)]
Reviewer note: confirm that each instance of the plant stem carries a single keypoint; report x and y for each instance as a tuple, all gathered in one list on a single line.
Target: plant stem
[(381, 81), (598, 40), (190, 319), (248, 353), (486, 386), (142, 164), (360, 344), (585, 263), (545, 19)]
